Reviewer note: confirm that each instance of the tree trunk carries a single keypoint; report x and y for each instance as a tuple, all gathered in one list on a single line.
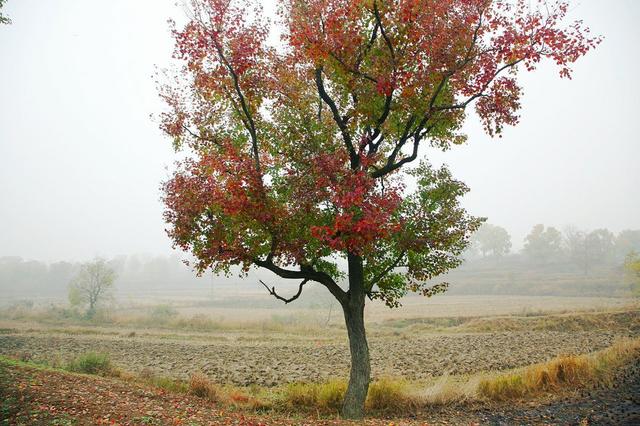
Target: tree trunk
[(92, 308), (353, 405)]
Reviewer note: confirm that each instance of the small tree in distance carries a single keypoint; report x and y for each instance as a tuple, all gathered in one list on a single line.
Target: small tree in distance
[(93, 285), (492, 240), (543, 244), (588, 249), (298, 157)]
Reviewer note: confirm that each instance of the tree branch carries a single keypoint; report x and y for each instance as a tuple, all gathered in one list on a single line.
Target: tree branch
[(391, 164), (387, 41), (342, 125), (382, 274), (480, 93), (202, 138), (306, 273), (272, 291), (250, 124)]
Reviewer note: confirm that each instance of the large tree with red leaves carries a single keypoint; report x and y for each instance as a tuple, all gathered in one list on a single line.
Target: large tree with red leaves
[(297, 156)]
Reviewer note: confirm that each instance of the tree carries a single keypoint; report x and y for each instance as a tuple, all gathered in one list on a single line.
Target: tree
[(93, 284), (632, 269), (626, 242), (600, 246), (588, 249), (297, 157), (542, 244), (492, 240), (574, 242), (3, 19)]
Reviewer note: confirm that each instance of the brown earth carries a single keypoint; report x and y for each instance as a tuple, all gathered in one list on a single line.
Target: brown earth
[(243, 360)]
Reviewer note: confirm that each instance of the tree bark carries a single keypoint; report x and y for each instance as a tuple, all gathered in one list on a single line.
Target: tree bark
[(353, 307)]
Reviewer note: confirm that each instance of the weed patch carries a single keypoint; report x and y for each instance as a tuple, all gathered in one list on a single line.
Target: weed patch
[(91, 363)]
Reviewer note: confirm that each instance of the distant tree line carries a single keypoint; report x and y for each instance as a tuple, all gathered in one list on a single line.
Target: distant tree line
[(26, 278), (546, 245), (545, 248)]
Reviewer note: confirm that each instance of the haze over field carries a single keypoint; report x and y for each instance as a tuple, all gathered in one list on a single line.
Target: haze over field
[(81, 162)]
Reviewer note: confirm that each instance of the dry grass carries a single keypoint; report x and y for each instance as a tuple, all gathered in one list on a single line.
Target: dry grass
[(201, 386), (575, 321), (447, 390), (563, 372), (390, 396), (326, 397)]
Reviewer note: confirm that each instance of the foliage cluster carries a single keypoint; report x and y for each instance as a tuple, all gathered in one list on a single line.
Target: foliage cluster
[(3, 19)]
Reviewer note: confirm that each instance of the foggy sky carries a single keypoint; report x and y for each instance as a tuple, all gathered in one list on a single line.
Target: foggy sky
[(81, 161)]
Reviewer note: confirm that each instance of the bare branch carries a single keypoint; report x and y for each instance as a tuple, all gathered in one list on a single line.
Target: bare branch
[(272, 291), (306, 272)]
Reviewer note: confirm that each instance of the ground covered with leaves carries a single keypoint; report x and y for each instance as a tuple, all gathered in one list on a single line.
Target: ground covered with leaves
[(34, 395), (39, 396)]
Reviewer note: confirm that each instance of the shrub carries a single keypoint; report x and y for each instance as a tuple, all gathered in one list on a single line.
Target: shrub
[(91, 363)]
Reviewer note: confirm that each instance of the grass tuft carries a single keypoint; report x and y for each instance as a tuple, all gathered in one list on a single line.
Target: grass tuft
[(201, 386), (325, 396), (331, 394), (390, 396), (301, 394), (91, 363)]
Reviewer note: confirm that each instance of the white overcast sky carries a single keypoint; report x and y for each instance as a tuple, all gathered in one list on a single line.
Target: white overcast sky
[(81, 161)]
